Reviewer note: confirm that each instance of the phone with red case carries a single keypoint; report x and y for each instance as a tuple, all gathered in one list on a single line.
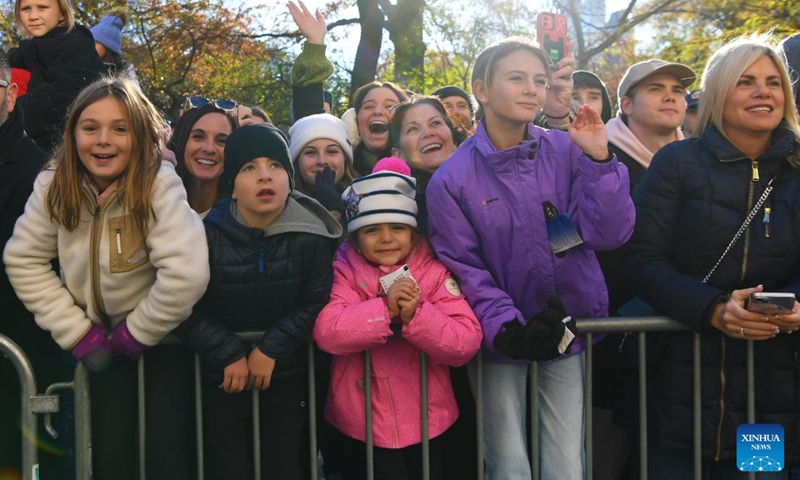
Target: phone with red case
[(551, 31)]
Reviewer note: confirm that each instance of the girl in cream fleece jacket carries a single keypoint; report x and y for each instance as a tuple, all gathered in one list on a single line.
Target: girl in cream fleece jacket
[(133, 255)]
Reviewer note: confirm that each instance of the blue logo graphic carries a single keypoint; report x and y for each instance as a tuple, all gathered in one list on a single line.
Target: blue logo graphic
[(759, 447)]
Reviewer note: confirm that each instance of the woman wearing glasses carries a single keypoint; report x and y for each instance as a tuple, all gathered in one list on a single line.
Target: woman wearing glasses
[(198, 141)]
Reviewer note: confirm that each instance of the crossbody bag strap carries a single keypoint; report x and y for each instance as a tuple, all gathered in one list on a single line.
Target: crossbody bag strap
[(744, 226)]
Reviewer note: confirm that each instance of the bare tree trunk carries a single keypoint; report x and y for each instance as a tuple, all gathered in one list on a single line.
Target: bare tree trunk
[(405, 31), (369, 45)]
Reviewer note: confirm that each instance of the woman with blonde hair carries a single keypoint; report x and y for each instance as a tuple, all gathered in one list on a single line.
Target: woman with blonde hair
[(717, 222)]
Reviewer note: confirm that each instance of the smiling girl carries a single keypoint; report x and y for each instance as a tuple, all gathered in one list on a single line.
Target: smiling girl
[(132, 255), (61, 59), (424, 314), (487, 207)]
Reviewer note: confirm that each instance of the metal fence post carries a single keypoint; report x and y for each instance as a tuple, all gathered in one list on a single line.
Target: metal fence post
[(27, 383)]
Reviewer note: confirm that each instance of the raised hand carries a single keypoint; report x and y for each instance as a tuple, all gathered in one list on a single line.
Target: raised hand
[(589, 133), (311, 25)]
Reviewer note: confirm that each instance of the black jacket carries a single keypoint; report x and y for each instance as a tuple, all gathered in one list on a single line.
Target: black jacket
[(690, 203), (20, 162), (261, 281), (61, 65)]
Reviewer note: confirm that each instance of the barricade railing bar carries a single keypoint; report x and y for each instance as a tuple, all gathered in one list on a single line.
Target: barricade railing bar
[(33, 404)]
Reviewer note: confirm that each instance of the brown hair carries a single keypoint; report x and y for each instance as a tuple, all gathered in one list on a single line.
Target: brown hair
[(400, 111), (65, 194), (484, 67)]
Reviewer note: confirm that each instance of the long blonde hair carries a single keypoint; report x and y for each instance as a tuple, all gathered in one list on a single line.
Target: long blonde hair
[(66, 10), (66, 194), (723, 70)]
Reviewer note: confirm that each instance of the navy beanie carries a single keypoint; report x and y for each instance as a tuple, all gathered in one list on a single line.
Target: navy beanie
[(109, 33), (255, 141)]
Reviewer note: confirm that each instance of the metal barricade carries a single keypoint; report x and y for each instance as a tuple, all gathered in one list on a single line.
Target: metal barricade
[(586, 327), (31, 404)]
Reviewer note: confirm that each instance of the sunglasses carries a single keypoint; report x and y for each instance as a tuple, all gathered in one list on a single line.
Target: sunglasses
[(197, 102), (3, 84)]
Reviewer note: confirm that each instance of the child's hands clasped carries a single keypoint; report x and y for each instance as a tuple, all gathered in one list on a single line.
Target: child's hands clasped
[(236, 375), (261, 367), (402, 299)]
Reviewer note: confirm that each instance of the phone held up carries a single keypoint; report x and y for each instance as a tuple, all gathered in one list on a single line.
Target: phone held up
[(771, 303), (551, 31)]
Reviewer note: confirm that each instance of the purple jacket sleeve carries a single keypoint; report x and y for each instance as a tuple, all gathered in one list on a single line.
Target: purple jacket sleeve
[(458, 247), (600, 201)]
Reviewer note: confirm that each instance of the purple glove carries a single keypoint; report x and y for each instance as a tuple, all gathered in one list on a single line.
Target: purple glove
[(94, 349), (123, 343)]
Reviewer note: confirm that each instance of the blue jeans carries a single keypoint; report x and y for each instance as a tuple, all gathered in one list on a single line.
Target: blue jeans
[(561, 427)]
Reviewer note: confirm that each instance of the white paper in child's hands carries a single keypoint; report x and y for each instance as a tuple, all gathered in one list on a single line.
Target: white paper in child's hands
[(388, 279)]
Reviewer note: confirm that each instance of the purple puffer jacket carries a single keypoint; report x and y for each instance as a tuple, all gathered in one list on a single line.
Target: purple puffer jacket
[(487, 225)]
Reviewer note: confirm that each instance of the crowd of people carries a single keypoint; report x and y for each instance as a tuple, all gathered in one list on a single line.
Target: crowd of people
[(414, 231)]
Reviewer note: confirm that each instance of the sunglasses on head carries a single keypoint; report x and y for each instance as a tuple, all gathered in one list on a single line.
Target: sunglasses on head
[(197, 102)]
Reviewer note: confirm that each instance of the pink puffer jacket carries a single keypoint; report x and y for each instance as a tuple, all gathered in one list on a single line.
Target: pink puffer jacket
[(356, 319)]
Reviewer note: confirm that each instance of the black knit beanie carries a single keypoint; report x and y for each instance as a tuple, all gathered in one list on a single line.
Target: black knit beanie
[(254, 141), (453, 91)]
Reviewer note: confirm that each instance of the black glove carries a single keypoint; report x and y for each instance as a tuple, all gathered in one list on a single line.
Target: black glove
[(327, 194), (538, 340)]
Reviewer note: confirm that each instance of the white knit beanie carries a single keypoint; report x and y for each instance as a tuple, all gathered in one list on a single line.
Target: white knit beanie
[(387, 195), (313, 127)]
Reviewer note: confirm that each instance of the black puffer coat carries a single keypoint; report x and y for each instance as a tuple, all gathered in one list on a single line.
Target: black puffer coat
[(276, 283), (690, 203), (61, 64)]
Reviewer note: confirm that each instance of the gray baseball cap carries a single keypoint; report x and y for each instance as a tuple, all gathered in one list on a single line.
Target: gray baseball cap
[(639, 71)]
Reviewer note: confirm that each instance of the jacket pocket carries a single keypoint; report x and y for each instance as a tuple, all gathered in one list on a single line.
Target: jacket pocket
[(126, 245)]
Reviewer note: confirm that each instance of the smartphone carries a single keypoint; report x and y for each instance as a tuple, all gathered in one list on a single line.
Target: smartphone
[(551, 31), (771, 303)]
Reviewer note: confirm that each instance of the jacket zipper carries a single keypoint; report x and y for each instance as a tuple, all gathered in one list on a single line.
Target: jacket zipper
[(767, 211), (750, 194), (94, 261)]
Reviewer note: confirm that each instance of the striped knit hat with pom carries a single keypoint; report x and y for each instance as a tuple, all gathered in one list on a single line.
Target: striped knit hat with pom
[(387, 195)]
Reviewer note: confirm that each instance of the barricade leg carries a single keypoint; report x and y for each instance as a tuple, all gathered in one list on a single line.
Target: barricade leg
[(27, 381)]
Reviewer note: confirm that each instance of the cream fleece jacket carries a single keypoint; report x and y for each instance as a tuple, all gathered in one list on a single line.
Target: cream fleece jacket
[(110, 271)]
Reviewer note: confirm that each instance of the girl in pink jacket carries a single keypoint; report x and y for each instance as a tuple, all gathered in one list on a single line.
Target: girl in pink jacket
[(391, 297)]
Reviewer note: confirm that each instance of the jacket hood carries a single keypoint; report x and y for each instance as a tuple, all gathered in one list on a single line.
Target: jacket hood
[(306, 215), (606, 114), (302, 214)]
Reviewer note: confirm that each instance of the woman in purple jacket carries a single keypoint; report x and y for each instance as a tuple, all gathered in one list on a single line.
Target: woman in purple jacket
[(488, 220)]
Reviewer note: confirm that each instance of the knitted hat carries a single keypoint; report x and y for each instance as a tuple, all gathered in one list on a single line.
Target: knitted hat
[(109, 33), (384, 196), (453, 91), (22, 78), (254, 141), (314, 127)]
